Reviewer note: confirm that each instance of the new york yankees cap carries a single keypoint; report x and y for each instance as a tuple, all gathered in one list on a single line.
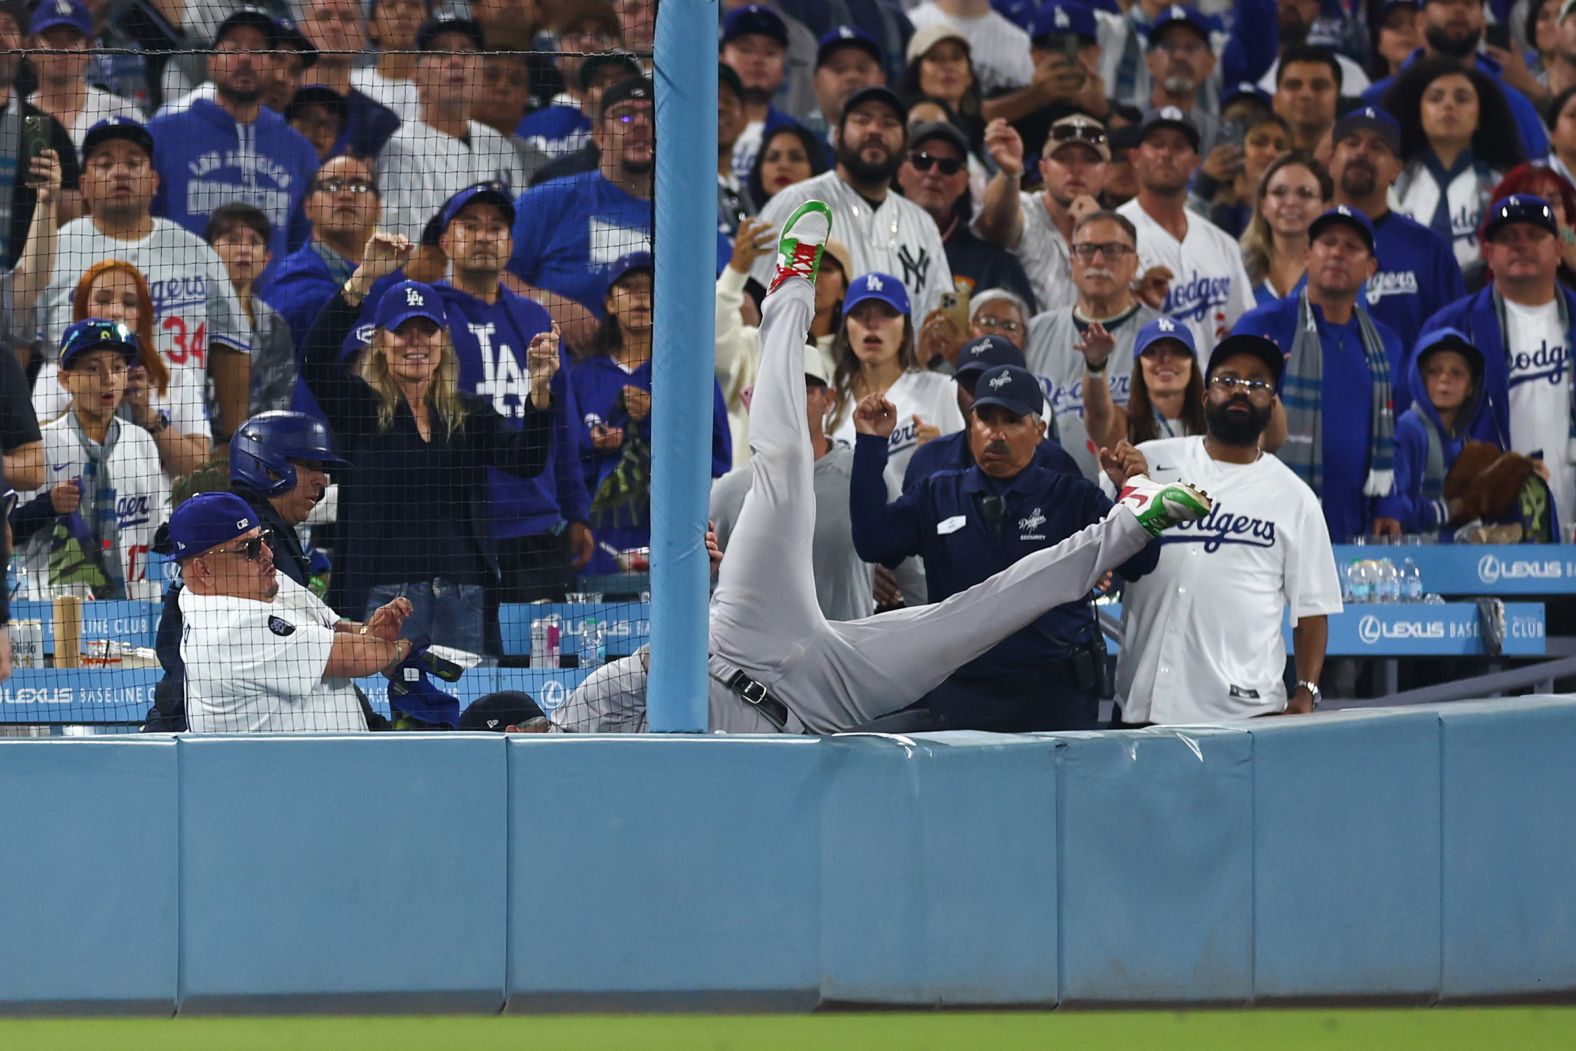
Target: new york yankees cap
[(1254, 346), (1009, 387), (876, 285), (407, 300), (1162, 328)]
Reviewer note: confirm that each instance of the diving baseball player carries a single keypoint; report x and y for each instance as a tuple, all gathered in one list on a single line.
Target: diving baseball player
[(777, 664)]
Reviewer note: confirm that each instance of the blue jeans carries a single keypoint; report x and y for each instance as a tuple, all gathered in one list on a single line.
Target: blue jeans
[(452, 614)]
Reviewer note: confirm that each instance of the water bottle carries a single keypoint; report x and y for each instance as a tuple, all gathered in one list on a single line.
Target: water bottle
[(593, 645), (1359, 581), (1388, 581), (1411, 581)]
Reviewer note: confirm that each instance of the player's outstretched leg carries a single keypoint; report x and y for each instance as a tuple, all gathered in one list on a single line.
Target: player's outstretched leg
[(765, 599), (891, 660)]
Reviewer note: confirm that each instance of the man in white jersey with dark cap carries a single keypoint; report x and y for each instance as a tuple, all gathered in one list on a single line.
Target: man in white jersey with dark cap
[(777, 665)]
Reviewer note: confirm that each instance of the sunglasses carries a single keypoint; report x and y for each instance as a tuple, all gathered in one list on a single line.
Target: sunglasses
[(251, 550), (353, 185), (1091, 133), (923, 162)]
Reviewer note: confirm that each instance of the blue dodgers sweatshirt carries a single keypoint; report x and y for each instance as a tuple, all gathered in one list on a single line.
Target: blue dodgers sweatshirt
[(205, 159), (569, 232)]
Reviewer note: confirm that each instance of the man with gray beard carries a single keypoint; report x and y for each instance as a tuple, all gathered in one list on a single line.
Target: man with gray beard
[(1104, 261), (1180, 62)]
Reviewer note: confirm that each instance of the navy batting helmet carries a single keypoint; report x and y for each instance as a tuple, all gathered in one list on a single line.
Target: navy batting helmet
[(263, 447)]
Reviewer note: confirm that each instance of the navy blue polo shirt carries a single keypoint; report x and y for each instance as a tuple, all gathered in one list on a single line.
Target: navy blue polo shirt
[(942, 520)]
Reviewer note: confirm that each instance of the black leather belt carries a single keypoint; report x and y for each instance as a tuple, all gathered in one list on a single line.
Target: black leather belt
[(756, 694)]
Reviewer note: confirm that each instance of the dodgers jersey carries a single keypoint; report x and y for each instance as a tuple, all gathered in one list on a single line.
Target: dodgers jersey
[(1204, 629), (1209, 285), (569, 232), (257, 667), (898, 238)]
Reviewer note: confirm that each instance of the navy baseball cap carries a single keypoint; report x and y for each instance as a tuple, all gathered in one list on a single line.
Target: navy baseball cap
[(1162, 328), (248, 16), (1348, 215), (876, 285), (876, 93), (52, 13), (594, 64), (486, 192), (407, 300), (1177, 15), (1255, 346), (754, 18), (1246, 89), (497, 711), (626, 90), (986, 353), (95, 333), (1390, 5), (208, 520), (1012, 388), (847, 36), (318, 95), (939, 129), (1520, 208), (1064, 19), (624, 265), (1373, 119), (1169, 117), (290, 35), (117, 128), (433, 28)]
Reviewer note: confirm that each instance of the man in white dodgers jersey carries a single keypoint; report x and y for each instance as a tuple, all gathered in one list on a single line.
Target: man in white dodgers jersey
[(1203, 631)]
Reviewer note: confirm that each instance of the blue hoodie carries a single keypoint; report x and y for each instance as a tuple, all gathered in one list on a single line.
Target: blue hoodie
[(1418, 501), (205, 159)]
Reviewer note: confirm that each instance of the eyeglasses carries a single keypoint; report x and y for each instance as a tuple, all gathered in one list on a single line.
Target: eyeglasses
[(923, 162), (340, 185), (1110, 249), (1005, 324), (1091, 133), (250, 549), (1230, 384)]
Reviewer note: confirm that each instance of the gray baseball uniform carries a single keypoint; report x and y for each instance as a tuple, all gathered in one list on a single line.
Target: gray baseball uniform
[(766, 622), (898, 238)]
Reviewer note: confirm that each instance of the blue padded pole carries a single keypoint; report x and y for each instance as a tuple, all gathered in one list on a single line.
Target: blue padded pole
[(682, 360)]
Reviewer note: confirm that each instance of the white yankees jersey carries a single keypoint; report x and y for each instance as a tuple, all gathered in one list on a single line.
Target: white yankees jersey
[(257, 667), (1051, 352), (142, 500), (1043, 252), (998, 49), (194, 307), (1203, 630), (420, 168), (898, 238), (1209, 285)]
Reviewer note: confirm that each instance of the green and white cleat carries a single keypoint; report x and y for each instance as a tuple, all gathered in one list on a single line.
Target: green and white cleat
[(1161, 505), (799, 248)]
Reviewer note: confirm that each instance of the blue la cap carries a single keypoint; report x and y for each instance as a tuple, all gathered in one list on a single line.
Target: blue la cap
[(1064, 18), (413, 696), (406, 300), (208, 520), (1011, 387), (1246, 89), (1374, 119), (1177, 15), (876, 285), (625, 263), (95, 333), (1520, 208), (754, 18), (986, 353), (1352, 217), (847, 36), (117, 128), (486, 192), (52, 13), (1164, 328)]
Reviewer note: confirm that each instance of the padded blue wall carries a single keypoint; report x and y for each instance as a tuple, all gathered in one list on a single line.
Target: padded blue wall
[(1415, 855)]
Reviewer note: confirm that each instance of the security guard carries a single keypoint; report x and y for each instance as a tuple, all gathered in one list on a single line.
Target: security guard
[(969, 524), (951, 451)]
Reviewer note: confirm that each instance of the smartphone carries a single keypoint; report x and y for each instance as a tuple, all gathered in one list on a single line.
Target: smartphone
[(955, 306), (1497, 35), (35, 139)]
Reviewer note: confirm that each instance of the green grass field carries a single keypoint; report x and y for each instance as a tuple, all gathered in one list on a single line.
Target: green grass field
[(1480, 1029)]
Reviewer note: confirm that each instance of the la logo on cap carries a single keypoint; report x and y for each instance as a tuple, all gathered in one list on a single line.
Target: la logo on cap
[(1061, 19), (873, 284), (1165, 324), (413, 298), (845, 33), (1171, 113), (1341, 209)]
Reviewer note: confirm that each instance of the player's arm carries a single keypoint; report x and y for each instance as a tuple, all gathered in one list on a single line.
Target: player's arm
[(1001, 217), (1308, 639)]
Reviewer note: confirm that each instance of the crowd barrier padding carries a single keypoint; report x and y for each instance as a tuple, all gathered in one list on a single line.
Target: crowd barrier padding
[(1417, 855)]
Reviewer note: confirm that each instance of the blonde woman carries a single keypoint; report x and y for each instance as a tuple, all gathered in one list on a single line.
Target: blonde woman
[(412, 514)]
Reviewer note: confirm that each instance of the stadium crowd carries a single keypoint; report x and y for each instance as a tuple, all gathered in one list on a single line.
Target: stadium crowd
[(1318, 254)]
